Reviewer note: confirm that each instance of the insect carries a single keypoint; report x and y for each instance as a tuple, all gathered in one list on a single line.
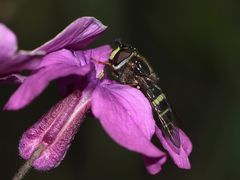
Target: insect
[(133, 69)]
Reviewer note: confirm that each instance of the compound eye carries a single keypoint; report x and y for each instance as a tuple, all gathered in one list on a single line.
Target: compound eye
[(121, 55)]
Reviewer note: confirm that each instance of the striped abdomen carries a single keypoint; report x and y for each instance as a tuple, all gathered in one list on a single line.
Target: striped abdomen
[(164, 116)]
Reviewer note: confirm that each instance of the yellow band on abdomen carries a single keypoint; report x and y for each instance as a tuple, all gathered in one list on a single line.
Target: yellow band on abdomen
[(159, 99)]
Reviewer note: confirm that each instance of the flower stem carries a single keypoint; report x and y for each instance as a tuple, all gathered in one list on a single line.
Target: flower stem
[(22, 171)]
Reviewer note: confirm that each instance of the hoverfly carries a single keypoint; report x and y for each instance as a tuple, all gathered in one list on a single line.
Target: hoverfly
[(133, 69)]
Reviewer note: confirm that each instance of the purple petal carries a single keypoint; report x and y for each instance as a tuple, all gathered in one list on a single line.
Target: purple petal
[(55, 131), (97, 56), (77, 58), (37, 82), (77, 35), (10, 60), (8, 43), (154, 165), (22, 60), (13, 78), (180, 158), (62, 56), (126, 116)]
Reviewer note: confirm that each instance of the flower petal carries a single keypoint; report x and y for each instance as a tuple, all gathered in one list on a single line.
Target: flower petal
[(8, 42), (63, 56), (10, 60), (77, 35), (77, 58), (180, 158), (55, 130), (37, 82), (154, 165), (126, 116), (100, 54), (22, 60)]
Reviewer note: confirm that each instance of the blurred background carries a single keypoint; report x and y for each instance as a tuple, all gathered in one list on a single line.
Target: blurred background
[(194, 48)]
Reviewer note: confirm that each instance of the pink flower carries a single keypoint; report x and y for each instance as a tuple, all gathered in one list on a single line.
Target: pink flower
[(123, 111)]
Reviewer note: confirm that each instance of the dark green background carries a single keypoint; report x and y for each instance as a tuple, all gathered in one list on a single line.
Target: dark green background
[(193, 46)]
